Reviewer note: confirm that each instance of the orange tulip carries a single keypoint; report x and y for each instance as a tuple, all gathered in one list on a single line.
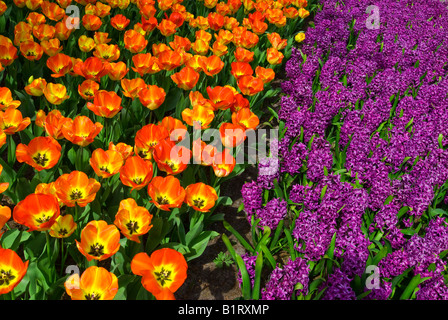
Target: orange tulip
[(276, 41), (117, 71), (203, 153), (6, 100), (92, 68), (148, 24), (198, 117), (186, 78), (162, 273), (300, 3), (106, 163), (53, 124), (169, 60), (166, 192), (119, 22), (62, 31), (3, 185), (5, 215), (55, 93), (52, 11), (215, 21), (165, 5), (223, 163), (134, 41), (76, 188), (210, 3), (81, 130), (147, 10), (230, 23), (91, 22), (31, 50), (133, 220), (12, 270), (239, 69), (200, 47), (232, 135), (250, 85), (147, 138), (180, 43), (167, 27), (101, 38), (35, 88), (303, 13), (136, 173), (44, 32), (48, 188), (51, 47), (223, 9), (37, 211), (221, 97), (124, 149), (107, 52), (170, 157), (177, 130), (265, 74), (99, 240), (273, 56), (2, 140), (8, 53), (243, 55), (131, 87), (105, 104), (200, 197), (41, 153), (290, 12), (63, 227), (86, 44), (96, 283), (60, 64), (33, 4), (193, 62), (142, 63), (211, 65), (88, 88), (11, 121), (219, 49), (152, 96), (245, 118)]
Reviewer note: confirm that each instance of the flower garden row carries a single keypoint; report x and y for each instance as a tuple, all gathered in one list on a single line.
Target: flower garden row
[(104, 174), (359, 205)]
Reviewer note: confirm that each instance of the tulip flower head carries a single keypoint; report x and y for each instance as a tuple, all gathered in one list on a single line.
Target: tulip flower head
[(95, 283), (12, 270), (166, 192), (37, 211), (162, 273), (132, 220), (76, 188), (200, 197), (99, 240)]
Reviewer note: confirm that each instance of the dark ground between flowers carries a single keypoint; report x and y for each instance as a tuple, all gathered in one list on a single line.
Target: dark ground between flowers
[(205, 281)]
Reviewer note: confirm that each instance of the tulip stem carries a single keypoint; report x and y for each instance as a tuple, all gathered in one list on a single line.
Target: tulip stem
[(47, 236)]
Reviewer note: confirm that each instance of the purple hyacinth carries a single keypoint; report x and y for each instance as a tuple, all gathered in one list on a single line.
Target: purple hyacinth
[(283, 280)]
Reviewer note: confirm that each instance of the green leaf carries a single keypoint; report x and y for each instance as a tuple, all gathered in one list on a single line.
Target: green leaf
[(240, 238), (412, 286), (257, 276)]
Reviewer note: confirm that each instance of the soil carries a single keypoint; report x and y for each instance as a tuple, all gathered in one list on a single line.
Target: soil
[(205, 281)]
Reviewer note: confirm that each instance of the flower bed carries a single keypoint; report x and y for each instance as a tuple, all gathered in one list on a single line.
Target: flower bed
[(105, 109), (358, 205)]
